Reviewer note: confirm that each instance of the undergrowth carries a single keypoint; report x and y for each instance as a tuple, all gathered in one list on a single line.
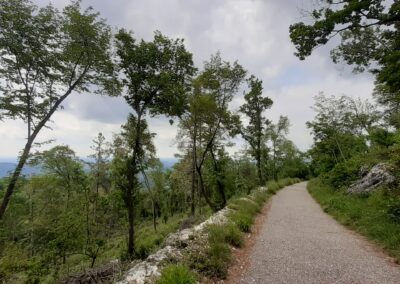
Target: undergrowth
[(177, 274)]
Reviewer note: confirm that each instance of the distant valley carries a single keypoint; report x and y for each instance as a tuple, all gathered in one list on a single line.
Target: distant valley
[(7, 167)]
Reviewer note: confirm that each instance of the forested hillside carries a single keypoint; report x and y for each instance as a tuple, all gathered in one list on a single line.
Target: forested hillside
[(120, 202)]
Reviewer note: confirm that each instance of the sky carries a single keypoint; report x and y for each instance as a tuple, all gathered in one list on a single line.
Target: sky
[(253, 32)]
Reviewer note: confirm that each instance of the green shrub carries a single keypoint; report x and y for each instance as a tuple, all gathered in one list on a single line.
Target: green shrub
[(242, 220), (211, 260), (343, 174), (228, 233), (177, 274), (272, 187), (260, 197), (394, 209), (219, 256)]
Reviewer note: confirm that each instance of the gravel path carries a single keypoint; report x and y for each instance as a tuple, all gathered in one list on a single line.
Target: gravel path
[(299, 243)]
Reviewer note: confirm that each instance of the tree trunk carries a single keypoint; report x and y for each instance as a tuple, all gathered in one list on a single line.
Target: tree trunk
[(131, 219), (220, 185), (28, 146), (194, 162), (206, 197), (154, 215), (15, 177), (260, 178), (93, 261)]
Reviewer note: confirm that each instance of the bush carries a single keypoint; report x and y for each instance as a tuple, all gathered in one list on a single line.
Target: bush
[(243, 221), (210, 259), (260, 197), (219, 256), (228, 233), (394, 209), (177, 274), (343, 174)]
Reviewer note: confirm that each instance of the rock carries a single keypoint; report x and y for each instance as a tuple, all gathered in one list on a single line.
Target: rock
[(363, 171), (379, 175)]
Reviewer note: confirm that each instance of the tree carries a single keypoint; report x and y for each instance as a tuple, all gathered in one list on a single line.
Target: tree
[(65, 173), (209, 121), (339, 129), (128, 163), (156, 76), (95, 196), (156, 190), (100, 163), (46, 55), (275, 133), (253, 133), (370, 39)]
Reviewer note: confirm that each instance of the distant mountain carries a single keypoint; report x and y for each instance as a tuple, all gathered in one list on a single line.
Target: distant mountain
[(6, 168), (168, 162)]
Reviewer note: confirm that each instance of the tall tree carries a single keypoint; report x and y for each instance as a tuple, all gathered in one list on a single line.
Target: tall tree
[(209, 121), (338, 129), (253, 133), (156, 76), (275, 133), (45, 55), (128, 163)]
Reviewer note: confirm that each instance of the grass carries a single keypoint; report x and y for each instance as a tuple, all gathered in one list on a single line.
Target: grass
[(374, 216), (177, 274), (211, 257)]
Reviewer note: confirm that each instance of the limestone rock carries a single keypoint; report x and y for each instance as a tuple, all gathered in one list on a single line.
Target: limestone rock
[(149, 269), (379, 175)]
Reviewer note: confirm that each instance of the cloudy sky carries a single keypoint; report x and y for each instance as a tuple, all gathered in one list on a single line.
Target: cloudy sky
[(254, 32)]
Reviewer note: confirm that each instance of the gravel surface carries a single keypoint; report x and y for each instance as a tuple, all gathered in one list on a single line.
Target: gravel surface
[(299, 243)]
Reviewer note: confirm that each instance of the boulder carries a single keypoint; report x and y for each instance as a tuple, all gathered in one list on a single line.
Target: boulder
[(379, 175)]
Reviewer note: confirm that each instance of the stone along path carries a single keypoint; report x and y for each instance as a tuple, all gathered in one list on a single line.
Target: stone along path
[(299, 243)]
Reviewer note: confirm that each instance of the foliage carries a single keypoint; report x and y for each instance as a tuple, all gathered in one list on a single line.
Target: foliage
[(228, 233), (253, 133), (370, 38), (176, 274), (207, 125)]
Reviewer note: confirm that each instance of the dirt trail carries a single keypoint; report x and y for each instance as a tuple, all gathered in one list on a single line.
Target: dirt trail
[(299, 243)]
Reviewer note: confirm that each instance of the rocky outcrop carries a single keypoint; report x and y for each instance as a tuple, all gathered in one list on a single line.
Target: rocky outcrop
[(144, 271), (379, 175)]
